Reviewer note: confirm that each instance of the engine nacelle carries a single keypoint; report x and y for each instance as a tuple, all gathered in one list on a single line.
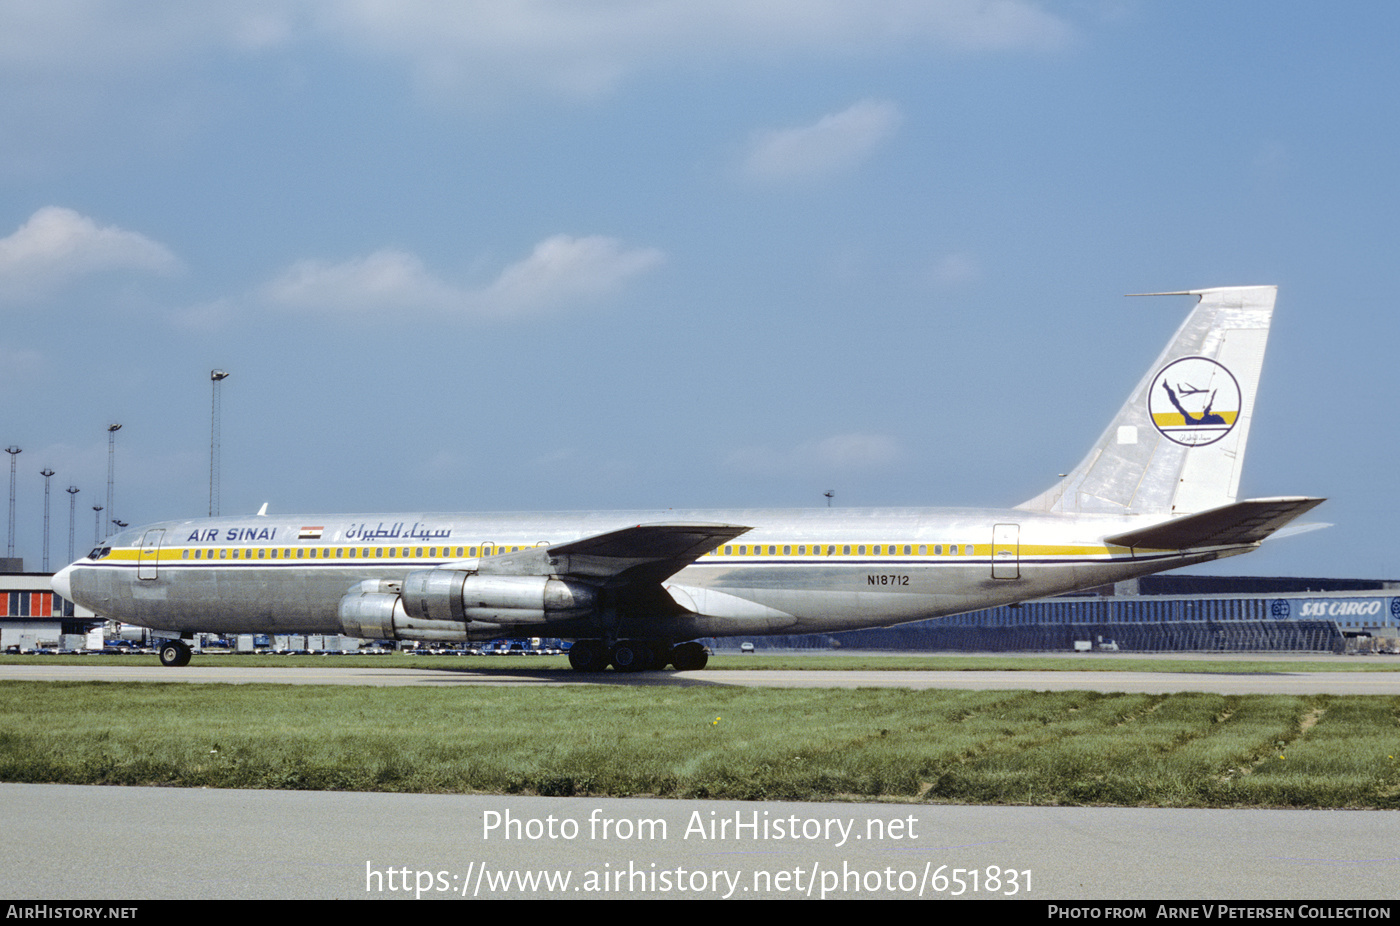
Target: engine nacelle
[(456, 595), (374, 611)]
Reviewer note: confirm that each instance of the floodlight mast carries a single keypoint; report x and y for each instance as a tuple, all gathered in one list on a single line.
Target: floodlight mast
[(72, 517), (13, 452), (46, 472), (215, 425), (112, 430)]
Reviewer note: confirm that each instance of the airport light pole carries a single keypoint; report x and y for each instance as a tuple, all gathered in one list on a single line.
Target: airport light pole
[(13, 452), (112, 430), (46, 473), (216, 377), (97, 524), (72, 517)]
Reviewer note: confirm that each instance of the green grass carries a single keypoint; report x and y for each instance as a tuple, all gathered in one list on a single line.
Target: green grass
[(1184, 750)]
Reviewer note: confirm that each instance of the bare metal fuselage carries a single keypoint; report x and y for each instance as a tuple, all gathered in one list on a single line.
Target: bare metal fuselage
[(795, 571)]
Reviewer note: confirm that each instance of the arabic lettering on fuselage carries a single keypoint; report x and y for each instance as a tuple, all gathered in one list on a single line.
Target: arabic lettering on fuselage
[(361, 532), (418, 531)]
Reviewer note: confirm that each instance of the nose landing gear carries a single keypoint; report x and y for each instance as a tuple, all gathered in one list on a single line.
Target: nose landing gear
[(174, 653)]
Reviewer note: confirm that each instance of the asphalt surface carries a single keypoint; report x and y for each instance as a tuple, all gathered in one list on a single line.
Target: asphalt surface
[(73, 842)]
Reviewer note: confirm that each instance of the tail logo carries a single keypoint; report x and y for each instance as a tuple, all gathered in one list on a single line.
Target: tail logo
[(1194, 401)]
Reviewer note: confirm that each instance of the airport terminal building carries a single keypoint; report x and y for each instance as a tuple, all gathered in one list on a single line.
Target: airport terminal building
[(1161, 613), (33, 617)]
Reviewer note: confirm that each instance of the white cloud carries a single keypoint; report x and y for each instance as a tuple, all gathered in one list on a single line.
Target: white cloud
[(57, 245), (586, 48), (832, 144), (486, 47), (561, 272), (384, 281), (838, 453), (111, 37)]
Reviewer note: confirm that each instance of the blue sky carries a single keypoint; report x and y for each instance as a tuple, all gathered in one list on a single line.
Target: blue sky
[(551, 255)]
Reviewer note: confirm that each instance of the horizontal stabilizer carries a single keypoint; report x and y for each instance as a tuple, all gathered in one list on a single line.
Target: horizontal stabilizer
[(647, 552), (1240, 524)]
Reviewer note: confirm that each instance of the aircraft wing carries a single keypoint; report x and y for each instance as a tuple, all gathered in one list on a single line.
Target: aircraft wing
[(1238, 524), (647, 553)]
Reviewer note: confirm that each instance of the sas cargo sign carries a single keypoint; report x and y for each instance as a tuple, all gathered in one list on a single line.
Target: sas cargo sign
[(1370, 610)]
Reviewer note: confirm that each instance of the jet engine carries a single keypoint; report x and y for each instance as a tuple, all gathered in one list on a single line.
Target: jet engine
[(455, 595), (451, 605)]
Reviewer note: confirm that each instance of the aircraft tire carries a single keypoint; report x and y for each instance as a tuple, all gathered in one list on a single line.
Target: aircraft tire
[(630, 656), (660, 656), (587, 656), (174, 653), (689, 657)]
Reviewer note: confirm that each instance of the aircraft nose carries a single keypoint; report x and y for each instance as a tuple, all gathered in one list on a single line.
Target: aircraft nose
[(62, 582)]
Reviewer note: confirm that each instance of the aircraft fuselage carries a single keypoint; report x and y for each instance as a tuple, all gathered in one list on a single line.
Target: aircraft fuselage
[(795, 571)]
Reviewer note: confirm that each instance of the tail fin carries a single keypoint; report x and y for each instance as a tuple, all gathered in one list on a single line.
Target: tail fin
[(1177, 445)]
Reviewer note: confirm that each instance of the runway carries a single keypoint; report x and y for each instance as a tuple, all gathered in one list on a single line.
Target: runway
[(1298, 683), (64, 841)]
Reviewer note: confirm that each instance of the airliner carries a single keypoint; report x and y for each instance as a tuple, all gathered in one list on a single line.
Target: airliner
[(638, 590)]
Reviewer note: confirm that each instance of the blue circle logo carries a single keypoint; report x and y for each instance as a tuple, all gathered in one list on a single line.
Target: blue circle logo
[(1194, 401)]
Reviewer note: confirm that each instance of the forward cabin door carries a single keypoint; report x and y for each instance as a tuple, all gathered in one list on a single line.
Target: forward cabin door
[(1006, 551), (148, 558)]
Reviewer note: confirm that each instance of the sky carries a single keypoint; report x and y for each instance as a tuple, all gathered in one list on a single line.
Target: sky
[(551, 255)]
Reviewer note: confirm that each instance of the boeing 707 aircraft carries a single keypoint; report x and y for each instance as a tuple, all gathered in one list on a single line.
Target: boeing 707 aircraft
[(637, 589)]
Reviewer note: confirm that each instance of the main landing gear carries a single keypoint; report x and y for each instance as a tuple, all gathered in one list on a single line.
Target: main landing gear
[(174, 653), (636, 656)]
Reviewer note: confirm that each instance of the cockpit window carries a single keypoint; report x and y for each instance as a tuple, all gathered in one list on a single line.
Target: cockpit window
[(100, 552)]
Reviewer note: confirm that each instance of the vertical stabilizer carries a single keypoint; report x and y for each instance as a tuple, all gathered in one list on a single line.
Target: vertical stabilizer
[(1177, 445)]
